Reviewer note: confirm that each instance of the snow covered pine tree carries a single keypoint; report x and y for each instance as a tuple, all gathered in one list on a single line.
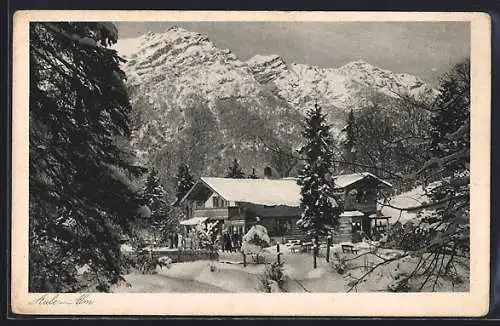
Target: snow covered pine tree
[(320, 210), (155, 197), (185, 181), (80, 195)]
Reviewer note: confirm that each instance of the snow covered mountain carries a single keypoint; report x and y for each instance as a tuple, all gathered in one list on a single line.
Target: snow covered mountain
[(200, 104)]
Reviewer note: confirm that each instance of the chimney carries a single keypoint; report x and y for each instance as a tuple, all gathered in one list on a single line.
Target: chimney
[(268, 172)]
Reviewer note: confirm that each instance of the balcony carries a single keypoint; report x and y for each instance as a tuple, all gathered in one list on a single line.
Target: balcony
[(364, 207), (217, 213)]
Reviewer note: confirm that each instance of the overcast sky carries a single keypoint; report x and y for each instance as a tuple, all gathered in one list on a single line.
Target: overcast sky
[(424, 49)]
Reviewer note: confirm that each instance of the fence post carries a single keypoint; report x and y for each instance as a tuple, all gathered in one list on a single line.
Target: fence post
[(314, 252), (244, 260), (328, 243)]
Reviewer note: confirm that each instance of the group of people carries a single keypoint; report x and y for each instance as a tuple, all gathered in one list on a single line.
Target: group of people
[(230, 242)]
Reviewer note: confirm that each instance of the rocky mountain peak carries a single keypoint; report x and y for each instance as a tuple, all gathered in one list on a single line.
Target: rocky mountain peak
[(267, 68), (199, 104)]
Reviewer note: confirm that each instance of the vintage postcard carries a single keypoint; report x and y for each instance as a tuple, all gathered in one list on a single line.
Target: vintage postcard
[(251, 163)]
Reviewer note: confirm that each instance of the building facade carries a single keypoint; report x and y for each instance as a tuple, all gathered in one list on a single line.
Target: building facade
[(238, 204)]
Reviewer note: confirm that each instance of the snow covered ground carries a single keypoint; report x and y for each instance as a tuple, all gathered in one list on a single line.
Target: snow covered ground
[(229, 275)]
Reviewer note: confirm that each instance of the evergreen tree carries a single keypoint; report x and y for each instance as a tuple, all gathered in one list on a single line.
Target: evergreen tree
[(235, 171), (155, 197), (451, 115), (349, 145), (253, 175), (319, 207), (447, 171), (185, 181), (154, 193), (81, 199)]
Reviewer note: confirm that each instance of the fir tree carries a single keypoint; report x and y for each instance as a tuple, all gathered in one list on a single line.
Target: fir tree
[(253, 175), (153, 193), (451, 115), (81, 200), (450, 157), (349, 144), (185, 181), (235, 171), (155, 197), (319, 208)]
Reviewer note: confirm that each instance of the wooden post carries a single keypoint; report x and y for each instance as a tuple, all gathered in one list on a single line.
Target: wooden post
[(278, 253), (314, 253), (244, 260), (328, 242)]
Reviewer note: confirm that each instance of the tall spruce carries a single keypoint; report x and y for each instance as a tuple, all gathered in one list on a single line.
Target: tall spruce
[(235, 171), (185, 181), (160, 222), (154, 193), (319, 207), (349, 145), (81, 200)]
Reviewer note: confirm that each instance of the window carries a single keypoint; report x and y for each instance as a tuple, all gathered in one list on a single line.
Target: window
[(218, 202), (356, 226)]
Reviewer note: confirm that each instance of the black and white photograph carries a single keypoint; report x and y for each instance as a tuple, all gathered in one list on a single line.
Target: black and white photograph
[(263, 157)]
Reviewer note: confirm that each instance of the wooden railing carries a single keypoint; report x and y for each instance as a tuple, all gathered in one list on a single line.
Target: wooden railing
[(367, 207)]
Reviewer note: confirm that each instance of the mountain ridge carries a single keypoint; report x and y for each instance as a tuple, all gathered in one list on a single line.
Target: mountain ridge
[(199, 104)]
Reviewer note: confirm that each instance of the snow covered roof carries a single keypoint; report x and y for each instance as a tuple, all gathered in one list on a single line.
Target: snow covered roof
[(399, 205), (344, 180), (351, 214), (270, 192)]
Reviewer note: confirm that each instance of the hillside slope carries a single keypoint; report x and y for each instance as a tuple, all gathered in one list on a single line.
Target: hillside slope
[(199, 104)]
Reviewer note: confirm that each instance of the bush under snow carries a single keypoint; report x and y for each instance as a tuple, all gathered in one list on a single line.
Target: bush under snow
[(255, 241)]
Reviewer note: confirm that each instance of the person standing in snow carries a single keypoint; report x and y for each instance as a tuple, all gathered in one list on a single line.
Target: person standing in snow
[(179, 241), (224, 241), (227, 241), (230, 242), (237, 239)]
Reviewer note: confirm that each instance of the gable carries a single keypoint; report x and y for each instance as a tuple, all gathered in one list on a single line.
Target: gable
[(269, 192), (351, 180)]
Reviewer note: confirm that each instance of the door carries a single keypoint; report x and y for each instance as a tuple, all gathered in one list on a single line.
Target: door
[(366, 225)]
